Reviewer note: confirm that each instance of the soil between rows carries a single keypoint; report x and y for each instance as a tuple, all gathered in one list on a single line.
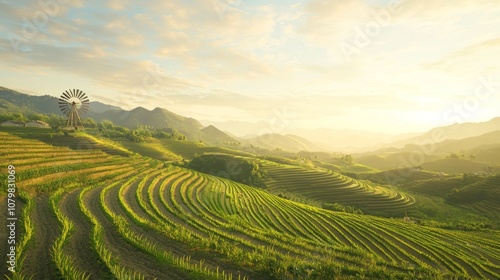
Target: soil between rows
[(38, 262), (79, 246)]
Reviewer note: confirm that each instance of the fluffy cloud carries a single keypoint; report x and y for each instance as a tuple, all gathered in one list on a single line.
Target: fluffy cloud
[(248, 60)]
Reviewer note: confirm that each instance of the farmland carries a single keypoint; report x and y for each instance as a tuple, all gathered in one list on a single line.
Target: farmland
[(88, 214), (329, 186)]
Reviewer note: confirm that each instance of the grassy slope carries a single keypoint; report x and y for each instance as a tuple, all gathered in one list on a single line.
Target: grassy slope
[(237, 226), (455, 166), (152, 148), (325, 186)]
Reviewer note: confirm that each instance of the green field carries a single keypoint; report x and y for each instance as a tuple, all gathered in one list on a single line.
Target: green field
[(332, 187), (88, 214)]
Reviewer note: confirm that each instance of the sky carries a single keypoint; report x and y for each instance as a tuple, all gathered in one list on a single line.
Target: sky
[(376, 65)]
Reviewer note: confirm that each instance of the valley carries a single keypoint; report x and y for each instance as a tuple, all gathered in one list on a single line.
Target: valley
[(106, 209)]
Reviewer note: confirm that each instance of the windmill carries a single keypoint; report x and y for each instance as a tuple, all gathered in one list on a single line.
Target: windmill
[(73, 103)]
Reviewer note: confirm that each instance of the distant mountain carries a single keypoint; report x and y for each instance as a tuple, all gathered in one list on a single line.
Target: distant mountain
[(13, 101), (344, 140), (483, 149), (240, 128), (467, 144), (99, 107), (487, 153), (455, 166), (157, 118), (217, 137), (288, 142), (393, 160), (347, 140), (453, 132)]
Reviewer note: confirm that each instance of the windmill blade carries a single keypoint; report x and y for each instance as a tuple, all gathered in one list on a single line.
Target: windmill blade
[(65, 110), (85, 105), (68, 93), (84, 98), (63, 105), (77, 93), (63, 101), (81, 94), (71, 100), (86, 108), (65, 95)]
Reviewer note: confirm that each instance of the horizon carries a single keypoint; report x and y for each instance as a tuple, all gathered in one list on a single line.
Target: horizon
[(391, 67)]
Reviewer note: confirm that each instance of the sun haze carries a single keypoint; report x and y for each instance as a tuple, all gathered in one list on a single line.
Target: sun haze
[(386, 66)]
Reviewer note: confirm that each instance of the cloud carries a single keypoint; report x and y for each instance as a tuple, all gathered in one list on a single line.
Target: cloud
[(439, 10), (470, 61), (328, 23), (249, 59), (117, 4)]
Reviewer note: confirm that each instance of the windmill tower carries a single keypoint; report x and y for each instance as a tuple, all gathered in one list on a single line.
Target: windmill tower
[(73, 103)]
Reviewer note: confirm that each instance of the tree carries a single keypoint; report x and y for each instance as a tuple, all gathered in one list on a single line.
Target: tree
[(106, 125), (38, 117), (89, 122), (56, 121), (6, 117), (347, 158), (454, 155), (19, 117)]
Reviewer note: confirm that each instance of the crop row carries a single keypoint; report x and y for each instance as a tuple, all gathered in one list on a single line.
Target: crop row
[(332, 187), (150, 220)]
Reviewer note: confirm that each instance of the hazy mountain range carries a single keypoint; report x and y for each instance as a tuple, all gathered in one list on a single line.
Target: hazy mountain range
[(260, 134)]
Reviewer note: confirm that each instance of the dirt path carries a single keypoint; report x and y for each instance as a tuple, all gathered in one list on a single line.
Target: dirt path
[(129, 256), (79, 246), (38, 262)]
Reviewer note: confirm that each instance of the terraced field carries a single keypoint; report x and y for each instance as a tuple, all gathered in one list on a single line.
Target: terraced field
[(91, 215), (333, 187), (490, 206), (188, 149)]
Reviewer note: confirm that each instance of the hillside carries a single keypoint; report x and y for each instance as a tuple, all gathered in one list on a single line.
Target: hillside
[(15, 102), (450, 132), (329, 187), (214, 136), (394, 160), (482, 149), (455, 166), (468, 144), (99, 107), (487, 153), (157, 118), (113, 217), (288, 142)]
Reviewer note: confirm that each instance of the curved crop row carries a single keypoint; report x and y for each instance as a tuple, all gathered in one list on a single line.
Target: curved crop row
[(332, 187)]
